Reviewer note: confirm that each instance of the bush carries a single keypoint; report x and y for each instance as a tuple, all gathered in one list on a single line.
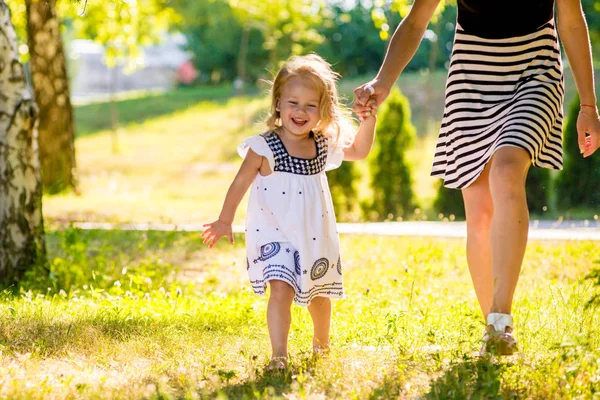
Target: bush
[(578, 185), (449, 201), (538, 189), (343, 190), (391, 174)]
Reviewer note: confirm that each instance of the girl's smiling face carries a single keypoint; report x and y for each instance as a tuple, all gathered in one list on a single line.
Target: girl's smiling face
[(299, 106)]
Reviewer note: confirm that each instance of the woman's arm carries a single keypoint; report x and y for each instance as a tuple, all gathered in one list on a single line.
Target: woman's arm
[(573, 32), (222, 227), (402, 48)]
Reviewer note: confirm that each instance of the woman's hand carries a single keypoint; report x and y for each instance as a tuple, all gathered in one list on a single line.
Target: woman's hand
[(215, 231), (378, 93), (588, 131)]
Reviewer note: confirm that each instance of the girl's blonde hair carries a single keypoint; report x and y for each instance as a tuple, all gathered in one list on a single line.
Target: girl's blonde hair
[(336, 121)]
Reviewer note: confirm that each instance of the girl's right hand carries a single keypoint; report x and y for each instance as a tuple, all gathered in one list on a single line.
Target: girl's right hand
[(367, 111), (362, 95), (215, 231)]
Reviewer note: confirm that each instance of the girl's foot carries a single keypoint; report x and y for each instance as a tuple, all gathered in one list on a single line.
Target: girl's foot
[(277, 364), (498, 338), (319, 352)]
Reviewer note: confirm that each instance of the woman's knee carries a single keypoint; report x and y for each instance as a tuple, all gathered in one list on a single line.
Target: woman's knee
[(479, 208), (508, 174)]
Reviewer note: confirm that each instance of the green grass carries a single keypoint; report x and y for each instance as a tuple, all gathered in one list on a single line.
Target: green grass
[(182, 323), (95, 117), (171, 168)]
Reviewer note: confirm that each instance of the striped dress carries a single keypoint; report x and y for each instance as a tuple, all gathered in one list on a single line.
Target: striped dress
[(500, 92)]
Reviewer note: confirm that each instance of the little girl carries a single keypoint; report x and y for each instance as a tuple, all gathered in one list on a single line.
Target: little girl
[(291, 237)]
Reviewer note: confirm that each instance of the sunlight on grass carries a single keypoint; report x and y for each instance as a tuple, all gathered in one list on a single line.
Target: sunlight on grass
[(157, 315), (170, 169)]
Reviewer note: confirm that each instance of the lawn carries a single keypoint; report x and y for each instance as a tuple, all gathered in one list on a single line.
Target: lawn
[(157, 315)]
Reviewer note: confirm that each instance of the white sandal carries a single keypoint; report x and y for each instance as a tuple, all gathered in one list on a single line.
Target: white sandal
[(497, 340)]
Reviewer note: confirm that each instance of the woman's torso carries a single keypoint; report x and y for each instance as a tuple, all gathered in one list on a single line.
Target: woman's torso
[(497, 19)]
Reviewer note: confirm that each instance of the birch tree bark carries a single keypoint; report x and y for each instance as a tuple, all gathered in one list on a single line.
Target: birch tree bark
[(22, 243)]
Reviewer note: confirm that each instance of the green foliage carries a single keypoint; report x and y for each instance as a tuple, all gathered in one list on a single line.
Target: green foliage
[(391, 181), (80, 264), (353, 44), (449, 202), (537, 189), (122, 27), (591, 8), (594, 276), (216, 51), (287, 26), (577, 185), (342, 182), (345, 37)]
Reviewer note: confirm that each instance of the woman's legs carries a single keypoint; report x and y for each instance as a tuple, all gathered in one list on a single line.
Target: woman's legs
[(510, 224), (497, 226), (320, 312), (479, 210), (279, 316)]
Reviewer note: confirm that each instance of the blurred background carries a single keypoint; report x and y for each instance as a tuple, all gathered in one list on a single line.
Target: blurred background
[(143, 102)]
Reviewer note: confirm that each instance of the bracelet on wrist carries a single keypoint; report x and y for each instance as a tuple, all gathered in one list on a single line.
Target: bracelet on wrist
[(589, 105)]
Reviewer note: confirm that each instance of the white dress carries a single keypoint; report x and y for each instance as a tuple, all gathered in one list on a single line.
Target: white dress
[(291, 217)]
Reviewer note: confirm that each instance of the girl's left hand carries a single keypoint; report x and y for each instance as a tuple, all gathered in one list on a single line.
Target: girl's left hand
[(588, 132), (216, 231)]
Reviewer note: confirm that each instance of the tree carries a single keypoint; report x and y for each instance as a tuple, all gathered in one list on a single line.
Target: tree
[(122, 27), (51, 87), (221, 54), (391, 173), (537, 189), (449, 201), (22, 243), (343, 190), (287, 25)]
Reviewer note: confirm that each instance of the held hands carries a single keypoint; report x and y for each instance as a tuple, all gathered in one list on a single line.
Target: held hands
[(588, 131), (368, 97), (215, 231)]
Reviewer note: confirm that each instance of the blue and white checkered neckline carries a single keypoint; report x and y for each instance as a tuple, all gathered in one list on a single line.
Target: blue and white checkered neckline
[(284, 162)]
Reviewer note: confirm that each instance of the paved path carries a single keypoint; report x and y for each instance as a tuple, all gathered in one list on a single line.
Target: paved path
[(539, 230)]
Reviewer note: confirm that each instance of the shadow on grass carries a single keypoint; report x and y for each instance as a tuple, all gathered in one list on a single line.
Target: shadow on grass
[(134, 244), (471, 378), (267, 384), (95, 117)]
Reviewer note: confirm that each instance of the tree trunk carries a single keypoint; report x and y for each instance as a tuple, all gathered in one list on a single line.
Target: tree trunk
[(241, 62), (429, 84), (21, 226), (51, 88)]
